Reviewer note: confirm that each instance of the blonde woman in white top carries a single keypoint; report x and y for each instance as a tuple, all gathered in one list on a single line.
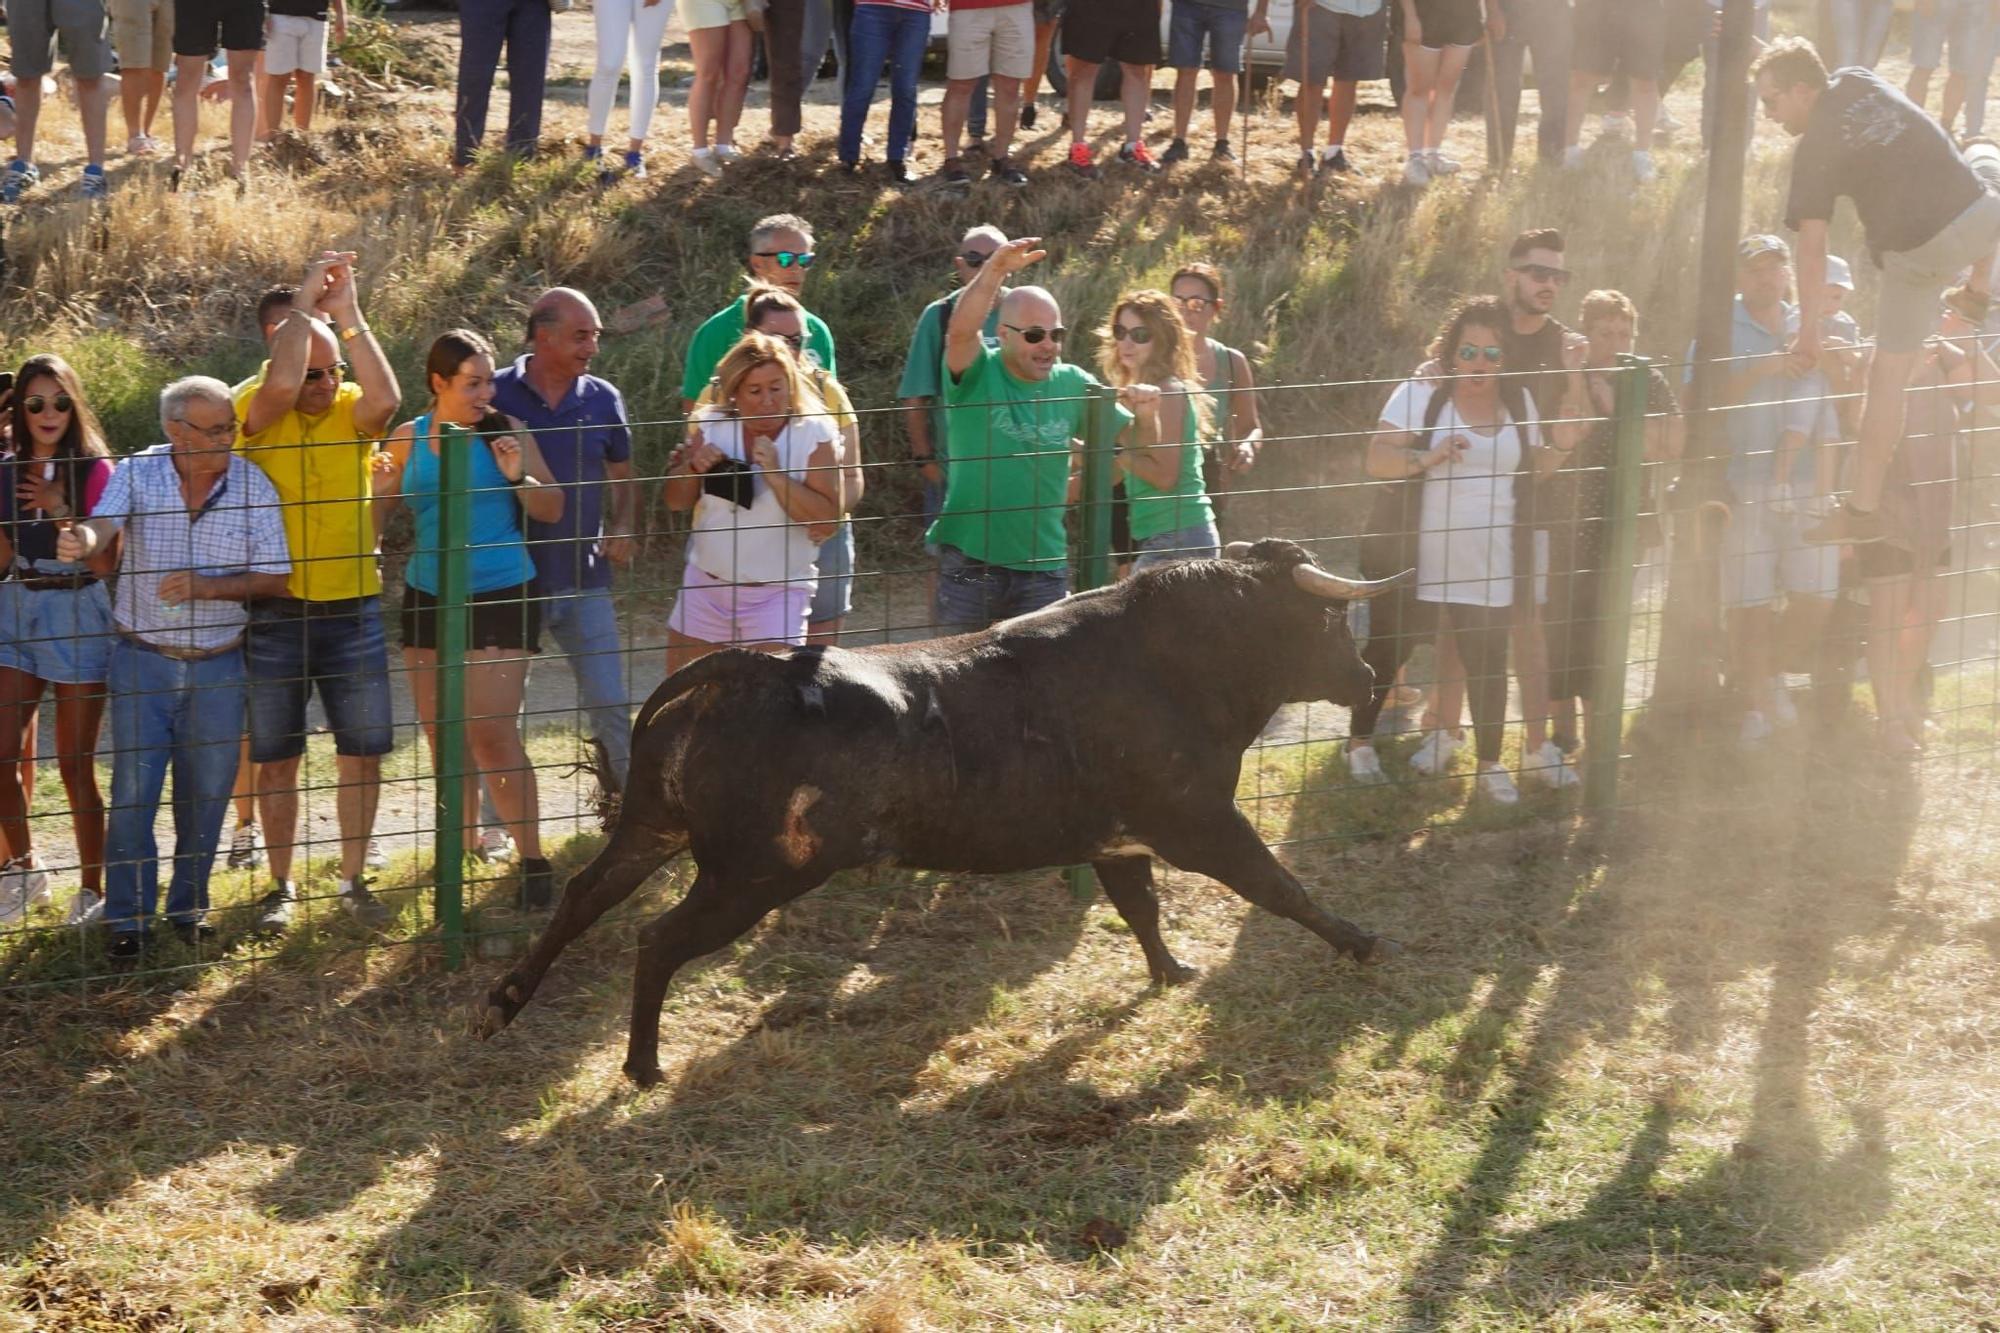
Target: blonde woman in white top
[(759, 467)]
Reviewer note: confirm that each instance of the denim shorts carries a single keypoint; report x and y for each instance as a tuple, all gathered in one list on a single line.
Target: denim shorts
[(293, 646), (972, 594), (833, 597), (59, 635), (1200, 543), (1221, 29)]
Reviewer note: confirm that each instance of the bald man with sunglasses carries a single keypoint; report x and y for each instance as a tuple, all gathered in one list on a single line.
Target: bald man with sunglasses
[(1016, 420)]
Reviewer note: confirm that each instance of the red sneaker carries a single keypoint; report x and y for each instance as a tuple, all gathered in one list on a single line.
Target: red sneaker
[(1137, 155), (1082, 162)]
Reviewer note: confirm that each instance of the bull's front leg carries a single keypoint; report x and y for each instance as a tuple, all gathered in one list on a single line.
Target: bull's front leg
[(1226, 848), (1128, 882)]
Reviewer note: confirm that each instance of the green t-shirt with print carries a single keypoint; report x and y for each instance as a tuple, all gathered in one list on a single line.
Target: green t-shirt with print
[(1008, 488)]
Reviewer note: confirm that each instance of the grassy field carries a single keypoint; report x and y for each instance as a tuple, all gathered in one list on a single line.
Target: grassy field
[(1729, 1064)]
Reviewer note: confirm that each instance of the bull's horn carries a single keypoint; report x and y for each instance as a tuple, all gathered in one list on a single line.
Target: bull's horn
[(1319, 583), (1236, 551)]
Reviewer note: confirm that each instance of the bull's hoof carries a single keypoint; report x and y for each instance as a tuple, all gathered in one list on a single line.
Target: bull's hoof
[(492, 1021), (1381, 949), (503, 1002), (1176, 974), (644, 1076)]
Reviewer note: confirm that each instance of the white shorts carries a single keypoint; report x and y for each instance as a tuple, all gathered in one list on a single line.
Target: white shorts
[(1763, 556), (293, 44), (991, 41)]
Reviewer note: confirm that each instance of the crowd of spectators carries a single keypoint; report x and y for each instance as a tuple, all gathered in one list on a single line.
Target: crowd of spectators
[(203, 590), (997, 51)]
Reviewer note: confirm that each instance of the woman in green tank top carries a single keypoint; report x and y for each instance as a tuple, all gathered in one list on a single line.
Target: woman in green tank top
[(1171, 517)]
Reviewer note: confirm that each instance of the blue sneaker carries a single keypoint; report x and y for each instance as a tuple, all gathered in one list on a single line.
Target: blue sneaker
[(17, 179), (93, 185), (635, 165)]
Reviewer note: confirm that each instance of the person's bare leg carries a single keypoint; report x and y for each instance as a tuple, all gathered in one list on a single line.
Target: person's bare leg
[(1531, 674), (1307, 108), (94, 108), (1135, 90), (682, 650), (1918, 89), (1222, 101), (27, 113), (493, 688), (1645, 111), (709, 48), (1881, 430), (79, 717), (1420, 68), (188, 74), (355, 804), (245, 796), (1340, 112), (271, 109), (1007, 114), (825, 631), (132, 91), (735, 83), (957, 106), (1581, 86), (1954, 99), (305, 90), (242, 109), (278, 812), (1186, 85), (1082, 84), (1045, 40), (155, 81), (1451, 68)]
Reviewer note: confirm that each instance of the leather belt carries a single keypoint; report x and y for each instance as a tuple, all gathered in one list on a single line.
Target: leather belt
[(181, 654), (50, 582)]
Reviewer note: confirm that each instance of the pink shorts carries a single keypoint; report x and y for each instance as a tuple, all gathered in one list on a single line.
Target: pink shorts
[(715, 611)]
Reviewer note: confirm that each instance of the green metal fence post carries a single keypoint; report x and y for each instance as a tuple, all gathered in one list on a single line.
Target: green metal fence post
[(454, 531), (1614, 597), (1095, 569)]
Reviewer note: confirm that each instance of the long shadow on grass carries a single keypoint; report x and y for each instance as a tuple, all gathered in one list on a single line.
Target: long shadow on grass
[(1707, 888), (793, 1125)]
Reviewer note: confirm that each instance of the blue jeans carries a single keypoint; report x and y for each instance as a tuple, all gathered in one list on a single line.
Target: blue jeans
[(484, 26), (584, 624), (1201, 543), (972, 594), (183, 715), (882, 35)]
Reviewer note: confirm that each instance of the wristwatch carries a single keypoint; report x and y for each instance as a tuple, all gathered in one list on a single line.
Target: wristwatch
[(352, 331)]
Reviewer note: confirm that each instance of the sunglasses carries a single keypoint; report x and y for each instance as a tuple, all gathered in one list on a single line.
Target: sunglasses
[(35, 402), (792, 340), (333, 372), (788, 258), (1469, 353), (1139, 334), (973, 258), (1543, 273), (1037, 333), (1195, 303)]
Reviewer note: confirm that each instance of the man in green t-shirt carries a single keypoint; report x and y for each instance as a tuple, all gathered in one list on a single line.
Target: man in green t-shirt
[(781, 250), (922, 387), (1015, 415)]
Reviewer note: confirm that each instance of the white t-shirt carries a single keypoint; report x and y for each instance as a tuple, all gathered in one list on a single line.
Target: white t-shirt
[(1465, 531), (761, 544)]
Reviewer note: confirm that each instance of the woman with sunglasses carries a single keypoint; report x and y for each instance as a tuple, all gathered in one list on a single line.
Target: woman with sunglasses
[(1171, 518), (1237, 432), (508, 478), (761, 471), (1464, 448), (55, 624)]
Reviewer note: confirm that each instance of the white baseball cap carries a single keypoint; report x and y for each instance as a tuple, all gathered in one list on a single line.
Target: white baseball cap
[(1838, 274)]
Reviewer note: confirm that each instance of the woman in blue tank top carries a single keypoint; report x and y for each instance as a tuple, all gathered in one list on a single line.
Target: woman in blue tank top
[(507, 478)]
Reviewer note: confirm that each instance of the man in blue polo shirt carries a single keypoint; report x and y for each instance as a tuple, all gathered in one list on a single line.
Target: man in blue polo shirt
[(579, 422)]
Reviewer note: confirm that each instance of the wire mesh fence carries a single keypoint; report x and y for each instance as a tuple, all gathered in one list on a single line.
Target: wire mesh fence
[(1546, 547)]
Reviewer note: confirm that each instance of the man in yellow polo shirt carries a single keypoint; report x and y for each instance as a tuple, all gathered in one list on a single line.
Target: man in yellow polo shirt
[(311, 419)]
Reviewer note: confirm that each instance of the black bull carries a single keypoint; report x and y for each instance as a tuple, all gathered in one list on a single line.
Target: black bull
[(1109, 728)]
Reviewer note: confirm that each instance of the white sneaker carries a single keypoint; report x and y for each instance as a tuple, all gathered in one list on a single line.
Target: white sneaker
[(1363, 765), (23, 884), (1443, 166), (1615, 127), (1550, 767), (1416, 170), (706, 162), (1666, 123), (1754, 731), (494, 846), (1643, 168), (86, 909), (1494, 785), (1572, 158), (377, 859), (246, 849), (1783, 712), (1434, 756), (727, 152)]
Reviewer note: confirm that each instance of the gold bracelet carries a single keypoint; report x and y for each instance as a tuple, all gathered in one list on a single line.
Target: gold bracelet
[(352, 331)]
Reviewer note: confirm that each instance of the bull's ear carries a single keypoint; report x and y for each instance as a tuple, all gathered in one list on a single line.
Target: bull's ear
[(1237, 551), (1313, 579)]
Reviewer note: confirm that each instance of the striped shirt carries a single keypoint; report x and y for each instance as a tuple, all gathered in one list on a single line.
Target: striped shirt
[(237, 530)]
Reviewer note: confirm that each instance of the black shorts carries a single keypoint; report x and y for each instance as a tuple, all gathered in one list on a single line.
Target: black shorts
[(203, 26), (1127, 31), (1626, 37), (1448, 23), (1880, 560), (503, 618)]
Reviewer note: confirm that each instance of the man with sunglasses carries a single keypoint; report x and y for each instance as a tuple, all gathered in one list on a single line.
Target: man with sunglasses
[(1927, 214), (312, 427), (922, 387), (781, 250), (1017, 414)]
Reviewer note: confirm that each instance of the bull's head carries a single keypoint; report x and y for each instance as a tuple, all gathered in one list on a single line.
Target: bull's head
[(1327, 665)]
